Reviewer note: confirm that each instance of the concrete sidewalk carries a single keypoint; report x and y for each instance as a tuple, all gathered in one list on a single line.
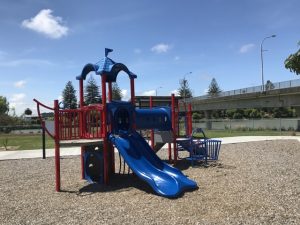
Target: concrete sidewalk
[(26, 154)]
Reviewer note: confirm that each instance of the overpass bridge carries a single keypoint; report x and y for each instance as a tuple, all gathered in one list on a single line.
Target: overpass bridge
[(282, 94)]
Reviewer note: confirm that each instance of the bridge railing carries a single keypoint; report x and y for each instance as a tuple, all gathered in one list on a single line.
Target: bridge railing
[(254, 89)]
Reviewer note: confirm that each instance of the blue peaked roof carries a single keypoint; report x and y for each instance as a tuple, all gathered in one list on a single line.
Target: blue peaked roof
[(106, 66)]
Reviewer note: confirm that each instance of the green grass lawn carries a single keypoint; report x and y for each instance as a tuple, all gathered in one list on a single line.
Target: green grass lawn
[(234, 133), (25, 142), (34, 141)]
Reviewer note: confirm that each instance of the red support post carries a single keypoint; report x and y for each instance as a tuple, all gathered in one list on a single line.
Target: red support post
[(104, 131), (174, 128), (132, 99), (132, 91), (110, 146), (103, 83), (170, 152), (57, 150), (152, 131), (177, 118), (81, 99), (81, 125)]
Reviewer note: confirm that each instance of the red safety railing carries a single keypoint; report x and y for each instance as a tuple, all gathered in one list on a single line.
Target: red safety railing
[(81, 123), (92, 121), (39, 104), (84, 123)]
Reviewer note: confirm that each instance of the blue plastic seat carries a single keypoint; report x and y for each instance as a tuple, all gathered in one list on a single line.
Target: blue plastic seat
[(200, 149)]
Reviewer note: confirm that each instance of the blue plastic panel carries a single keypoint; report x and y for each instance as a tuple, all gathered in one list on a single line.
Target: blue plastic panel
[(155, 118)]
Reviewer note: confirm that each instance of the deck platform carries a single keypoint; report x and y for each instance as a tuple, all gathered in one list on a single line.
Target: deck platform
[(79, 142)]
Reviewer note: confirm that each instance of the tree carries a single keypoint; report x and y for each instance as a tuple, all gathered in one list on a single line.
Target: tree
[(269, 85), (213, 89), (116, 92), (293, 62), (28, 112), (184, 90), (198, 115), (92, 93), (4, 105), (69, 96)]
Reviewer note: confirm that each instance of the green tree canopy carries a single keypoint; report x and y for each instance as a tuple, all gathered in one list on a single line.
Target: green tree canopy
[(184, 89), (69, 96), (28, 112), (92, 93), (293, 62), (116, 92), (213, 89), (4, 105)]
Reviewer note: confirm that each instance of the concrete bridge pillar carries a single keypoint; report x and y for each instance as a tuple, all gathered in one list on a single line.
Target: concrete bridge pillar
[(207, 114)]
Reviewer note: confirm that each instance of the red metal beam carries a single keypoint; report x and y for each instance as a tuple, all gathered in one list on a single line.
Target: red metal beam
[(57, 150), (152, 131), (104, 131), (174, 128), (132, 91), (81, 126)]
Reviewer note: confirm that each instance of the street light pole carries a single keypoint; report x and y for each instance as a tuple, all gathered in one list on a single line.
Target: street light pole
[(262, 61), (156, 90)]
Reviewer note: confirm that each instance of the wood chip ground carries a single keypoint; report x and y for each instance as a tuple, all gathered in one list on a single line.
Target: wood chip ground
[(252, 183)]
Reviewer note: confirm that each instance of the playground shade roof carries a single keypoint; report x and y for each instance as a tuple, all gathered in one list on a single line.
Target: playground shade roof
[(105, 67)]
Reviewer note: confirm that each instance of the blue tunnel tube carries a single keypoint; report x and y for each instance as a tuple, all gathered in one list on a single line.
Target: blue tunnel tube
[(156, 118)]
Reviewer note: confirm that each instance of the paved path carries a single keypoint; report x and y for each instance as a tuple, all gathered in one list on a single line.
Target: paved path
[(5, 155)]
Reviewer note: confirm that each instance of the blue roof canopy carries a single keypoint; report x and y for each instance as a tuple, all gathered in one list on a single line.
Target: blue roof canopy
[(106, 66)]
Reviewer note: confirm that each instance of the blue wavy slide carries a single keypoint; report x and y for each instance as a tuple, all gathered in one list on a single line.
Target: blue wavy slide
[(164, 179)]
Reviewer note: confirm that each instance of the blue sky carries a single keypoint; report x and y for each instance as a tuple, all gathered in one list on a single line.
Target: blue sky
[(45, 43)]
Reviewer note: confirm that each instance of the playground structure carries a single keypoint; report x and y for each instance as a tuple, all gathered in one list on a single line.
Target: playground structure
[(99, 128)]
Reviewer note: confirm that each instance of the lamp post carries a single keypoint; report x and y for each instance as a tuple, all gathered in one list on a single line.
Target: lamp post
[(262, 61), (156, 90)]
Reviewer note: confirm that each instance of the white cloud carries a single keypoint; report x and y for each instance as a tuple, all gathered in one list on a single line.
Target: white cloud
[(21, 62), (161, 48), (20, 83), (246, 48), (125, 94), (149, 93), (44, 22), (17, 97), (60, 98), (17, 102), (175, 92)]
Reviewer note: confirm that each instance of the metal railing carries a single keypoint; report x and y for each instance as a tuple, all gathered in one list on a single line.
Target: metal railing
[(254, 89), (80, 123)]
